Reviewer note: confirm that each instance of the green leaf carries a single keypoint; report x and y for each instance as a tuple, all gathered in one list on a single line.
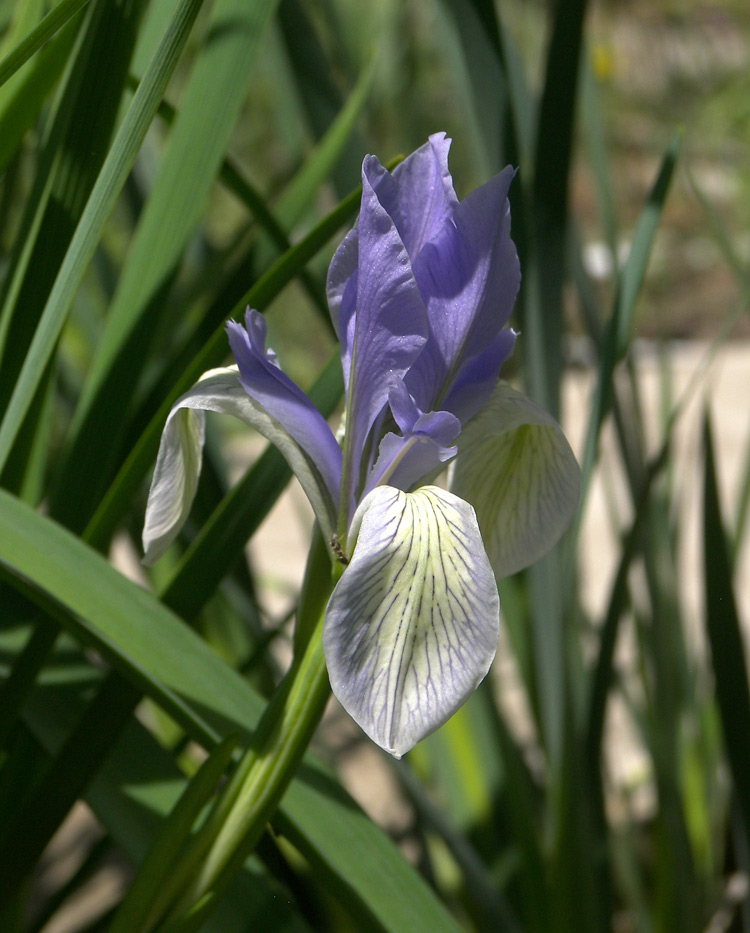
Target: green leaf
[(209, 699), (320, 97), (22, 98), (209, 108), (596, 127), (100, 203), (618, 602), (81, 128), (479, 32), (119, 495), (728, 651), (136, 789), (57, 17), (28, 831), (620, 323), (545, 269), (172, 837)]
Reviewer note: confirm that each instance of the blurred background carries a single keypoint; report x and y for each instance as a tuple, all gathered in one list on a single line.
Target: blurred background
[(600, 778)]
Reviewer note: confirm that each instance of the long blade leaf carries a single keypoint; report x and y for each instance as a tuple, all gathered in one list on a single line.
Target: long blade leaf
[(100, 203), (209, 699)]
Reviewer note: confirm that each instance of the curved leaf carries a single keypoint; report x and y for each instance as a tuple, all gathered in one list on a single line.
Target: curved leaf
[(209, 699)]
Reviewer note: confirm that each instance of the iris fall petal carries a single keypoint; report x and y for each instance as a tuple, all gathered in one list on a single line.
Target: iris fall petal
[(412, 626), (516, 468), (178, 463)]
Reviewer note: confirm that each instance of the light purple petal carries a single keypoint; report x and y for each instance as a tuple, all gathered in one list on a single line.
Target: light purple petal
[(425, 444), (342, 275), (281, 398), (382, 324), (419, 198), (412, 626), (478, 377), (404, 409), (426, 196), (405, 462), (469, 277)]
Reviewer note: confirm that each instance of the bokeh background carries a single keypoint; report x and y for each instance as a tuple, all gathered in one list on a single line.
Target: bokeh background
[(600, 777)]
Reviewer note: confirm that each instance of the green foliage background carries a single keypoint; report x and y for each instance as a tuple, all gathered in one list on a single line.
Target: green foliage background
[(165, 164)]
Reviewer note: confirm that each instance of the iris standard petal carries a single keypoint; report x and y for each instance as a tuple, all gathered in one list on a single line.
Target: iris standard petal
[(407, 461), (342, 276), (382, 323), (518, 471), (283, 399), (426, 196), (418, 197), (477, 378), (412, 626), (179, 460), (426, 443), (469, 276)]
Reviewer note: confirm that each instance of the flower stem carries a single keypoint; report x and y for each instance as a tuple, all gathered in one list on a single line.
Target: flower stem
[(279, 743)]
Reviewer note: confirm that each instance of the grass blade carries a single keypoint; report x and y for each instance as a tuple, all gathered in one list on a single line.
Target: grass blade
[(554, 144), (318, 93), (209, 699), (22, 99), (34, 824), (81, 128), (174, 834), (620, 323), (98, 207), (728, 651), (199, 137), (54, 20)]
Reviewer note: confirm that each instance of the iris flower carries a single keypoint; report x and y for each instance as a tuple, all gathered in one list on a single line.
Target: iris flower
[(420, 293)]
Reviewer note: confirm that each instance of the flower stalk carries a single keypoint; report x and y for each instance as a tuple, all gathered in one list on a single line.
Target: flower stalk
[(255, 789)]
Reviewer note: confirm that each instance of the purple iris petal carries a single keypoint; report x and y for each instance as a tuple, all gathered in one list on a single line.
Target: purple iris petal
[(426, 196), (403, 407), (341, 273), (427, 441), (476, 380), (420, 293), (382, 319), (418, 197), (263, 381), (468, 276)]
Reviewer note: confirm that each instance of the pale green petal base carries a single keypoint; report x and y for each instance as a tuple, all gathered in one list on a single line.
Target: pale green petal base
[(179, 461), (516, 468), (412, 626)]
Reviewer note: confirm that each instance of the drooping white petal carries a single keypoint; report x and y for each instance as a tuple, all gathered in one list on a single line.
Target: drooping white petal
[(179, 460), (516, 468), (412, 626)]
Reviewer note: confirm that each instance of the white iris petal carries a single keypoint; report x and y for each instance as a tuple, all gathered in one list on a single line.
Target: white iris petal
[(517, 469), (412, 626), (179, 461)]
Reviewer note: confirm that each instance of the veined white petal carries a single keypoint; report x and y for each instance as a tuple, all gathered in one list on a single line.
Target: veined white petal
[(412, 626), (516, 467), (178, 463)]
